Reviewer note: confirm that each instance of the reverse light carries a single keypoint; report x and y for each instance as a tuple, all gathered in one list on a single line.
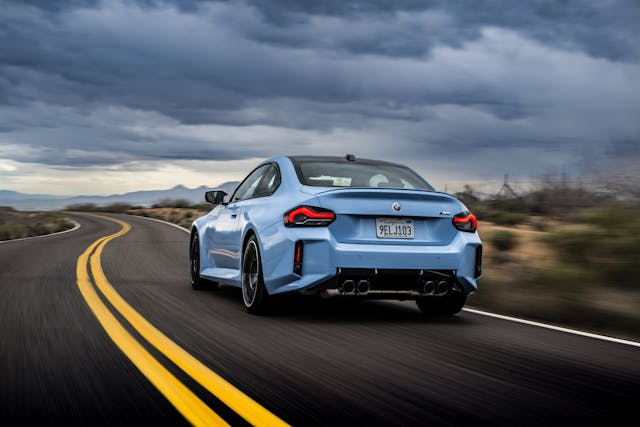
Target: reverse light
[(466, 221), (307, 216)]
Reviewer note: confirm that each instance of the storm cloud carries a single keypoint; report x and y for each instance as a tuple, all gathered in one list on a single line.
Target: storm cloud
[(463, 89)]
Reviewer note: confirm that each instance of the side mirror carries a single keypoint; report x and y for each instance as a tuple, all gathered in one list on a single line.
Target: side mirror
[(215, 197)]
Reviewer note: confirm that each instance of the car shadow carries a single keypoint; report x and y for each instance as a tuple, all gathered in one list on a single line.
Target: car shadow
[(314, 309)]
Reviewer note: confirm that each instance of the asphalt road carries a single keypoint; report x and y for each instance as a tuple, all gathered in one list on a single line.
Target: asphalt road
[(312, 363)]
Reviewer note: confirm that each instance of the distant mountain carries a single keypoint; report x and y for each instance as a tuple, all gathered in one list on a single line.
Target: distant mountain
[(23, 201), (14, 195)]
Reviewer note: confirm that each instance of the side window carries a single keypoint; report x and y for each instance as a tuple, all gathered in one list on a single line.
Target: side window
[(269, 182), (249, 185)]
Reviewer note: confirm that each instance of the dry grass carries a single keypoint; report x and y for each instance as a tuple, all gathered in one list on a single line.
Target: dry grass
[(530, 250), (184, 217), (18, 224), (532, 281)]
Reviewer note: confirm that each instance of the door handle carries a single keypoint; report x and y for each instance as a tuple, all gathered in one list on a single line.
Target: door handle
[(234, 216)]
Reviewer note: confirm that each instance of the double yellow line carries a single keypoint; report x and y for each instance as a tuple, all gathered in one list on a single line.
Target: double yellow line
[(183, 399)]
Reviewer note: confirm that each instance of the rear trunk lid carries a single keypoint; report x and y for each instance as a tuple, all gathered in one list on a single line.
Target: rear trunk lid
[(360, 212)]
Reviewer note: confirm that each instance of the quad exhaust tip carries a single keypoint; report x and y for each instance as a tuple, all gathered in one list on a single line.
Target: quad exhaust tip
[(442, 287), (429, 287), (363, 286), (348, 286)]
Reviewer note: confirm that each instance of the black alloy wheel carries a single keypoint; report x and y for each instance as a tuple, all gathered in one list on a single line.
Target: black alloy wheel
[(254, 293), (197, 282)]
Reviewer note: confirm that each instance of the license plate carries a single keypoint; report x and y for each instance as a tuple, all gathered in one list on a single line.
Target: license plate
[(394, 228)]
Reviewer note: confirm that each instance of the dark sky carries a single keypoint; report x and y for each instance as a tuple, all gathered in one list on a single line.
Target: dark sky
[(111, 96)]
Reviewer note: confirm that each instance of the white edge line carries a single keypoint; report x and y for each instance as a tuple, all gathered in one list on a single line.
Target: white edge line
[(162, 221), (76, 225), (555, 328), (485, 313)]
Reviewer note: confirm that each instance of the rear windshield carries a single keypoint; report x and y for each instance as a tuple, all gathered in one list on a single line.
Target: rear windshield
[(358, 174)]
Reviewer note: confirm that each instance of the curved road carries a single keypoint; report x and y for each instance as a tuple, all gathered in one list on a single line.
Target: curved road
[(312, 363)]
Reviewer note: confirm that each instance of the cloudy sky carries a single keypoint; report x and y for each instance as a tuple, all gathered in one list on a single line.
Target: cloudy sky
[(105, 97)]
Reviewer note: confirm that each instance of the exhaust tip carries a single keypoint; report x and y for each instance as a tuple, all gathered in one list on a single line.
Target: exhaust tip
[(348, 286), (363, 286), (429, 287), (442, 287)]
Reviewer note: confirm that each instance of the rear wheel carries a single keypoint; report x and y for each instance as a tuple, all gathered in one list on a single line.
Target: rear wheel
[(447, 305), (197, 282), (254, 292)]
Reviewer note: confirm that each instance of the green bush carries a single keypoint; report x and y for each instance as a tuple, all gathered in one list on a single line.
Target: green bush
[(503, 240)]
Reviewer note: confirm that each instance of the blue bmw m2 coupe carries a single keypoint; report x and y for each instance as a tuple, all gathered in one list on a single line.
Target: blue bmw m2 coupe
[(338, 226)]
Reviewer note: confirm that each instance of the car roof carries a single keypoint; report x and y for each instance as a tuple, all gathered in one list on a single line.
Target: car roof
[(337, 159)]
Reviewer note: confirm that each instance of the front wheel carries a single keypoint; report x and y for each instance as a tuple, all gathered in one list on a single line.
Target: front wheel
[(447, 305), (254, 292)]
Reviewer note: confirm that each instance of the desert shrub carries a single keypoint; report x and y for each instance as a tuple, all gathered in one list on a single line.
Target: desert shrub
[(540, 225), (506, 217), (43, 223), (171, 203), (502, 257), (82, 207), (59, 223), (13, 230), (117, 207), (609, 247), (573, 245), (39, 228), (611, 215), (201, 207), (503, 240)]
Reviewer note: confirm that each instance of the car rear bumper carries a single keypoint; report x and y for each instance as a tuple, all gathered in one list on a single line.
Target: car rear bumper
[(324, 259)]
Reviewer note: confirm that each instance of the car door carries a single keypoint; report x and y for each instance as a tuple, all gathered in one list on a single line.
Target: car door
[(225, 248), (250, 204)]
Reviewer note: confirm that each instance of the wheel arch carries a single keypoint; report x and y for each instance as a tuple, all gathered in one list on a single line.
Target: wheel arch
[(192, 234), (247, 235)]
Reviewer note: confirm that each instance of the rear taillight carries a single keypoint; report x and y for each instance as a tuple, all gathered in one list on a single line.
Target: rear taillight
[(478, 269), (307, 216), (466, 221)]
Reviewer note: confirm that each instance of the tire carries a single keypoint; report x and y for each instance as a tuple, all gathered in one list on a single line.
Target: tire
[(447, 305), (254, 293), (197, 282)]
